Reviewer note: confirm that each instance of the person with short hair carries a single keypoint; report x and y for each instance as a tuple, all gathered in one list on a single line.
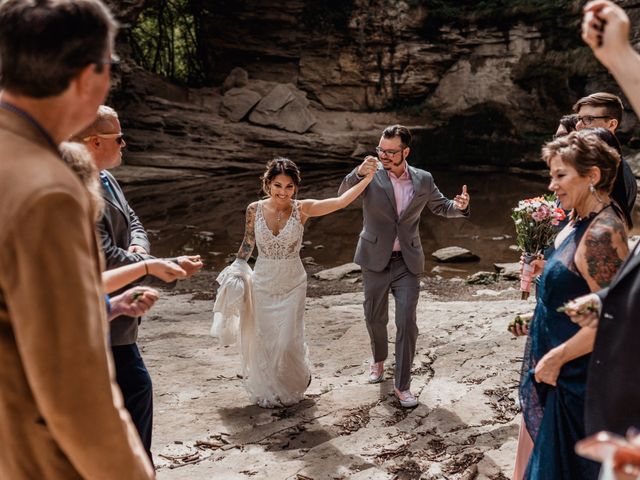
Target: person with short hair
[(61, 413), (605, 110), (587, 254), (125, 242), (613, 387), (389, 249), (566, 125)]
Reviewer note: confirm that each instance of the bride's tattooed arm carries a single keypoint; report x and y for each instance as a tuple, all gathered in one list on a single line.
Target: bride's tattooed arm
[(249, 240)]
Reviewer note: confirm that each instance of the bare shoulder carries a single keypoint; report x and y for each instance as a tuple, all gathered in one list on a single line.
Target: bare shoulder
[(607, 226)]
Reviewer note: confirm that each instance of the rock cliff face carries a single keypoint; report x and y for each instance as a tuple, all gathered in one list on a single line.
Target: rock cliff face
[(479, 90)]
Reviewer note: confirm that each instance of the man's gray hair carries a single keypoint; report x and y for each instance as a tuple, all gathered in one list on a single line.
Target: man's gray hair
[(101, 125)]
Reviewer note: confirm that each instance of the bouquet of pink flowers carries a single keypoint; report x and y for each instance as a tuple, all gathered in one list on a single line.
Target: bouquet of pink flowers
[(536, 220)]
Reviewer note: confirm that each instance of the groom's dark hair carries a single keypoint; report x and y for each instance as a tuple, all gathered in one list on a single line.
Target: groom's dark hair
[(398, 131)]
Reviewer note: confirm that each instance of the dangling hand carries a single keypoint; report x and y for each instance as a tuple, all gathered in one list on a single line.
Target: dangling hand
[(548, 368), (462, 201)]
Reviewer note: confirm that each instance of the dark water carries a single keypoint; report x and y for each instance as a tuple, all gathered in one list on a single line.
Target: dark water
[(179, 214)]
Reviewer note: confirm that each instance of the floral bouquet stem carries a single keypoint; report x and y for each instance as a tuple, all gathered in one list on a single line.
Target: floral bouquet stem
[(526, 277)]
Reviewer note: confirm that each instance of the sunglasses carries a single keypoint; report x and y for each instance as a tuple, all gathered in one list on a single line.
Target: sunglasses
[(118, 137)]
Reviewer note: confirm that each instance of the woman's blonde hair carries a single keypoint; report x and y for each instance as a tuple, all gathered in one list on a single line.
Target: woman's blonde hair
[(79, 159)]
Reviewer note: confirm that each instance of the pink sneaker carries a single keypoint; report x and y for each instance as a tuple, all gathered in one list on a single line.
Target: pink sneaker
[(376, 372), (406, 398)]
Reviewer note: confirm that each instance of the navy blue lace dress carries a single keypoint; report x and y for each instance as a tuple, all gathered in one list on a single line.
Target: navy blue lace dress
[(554, 416)]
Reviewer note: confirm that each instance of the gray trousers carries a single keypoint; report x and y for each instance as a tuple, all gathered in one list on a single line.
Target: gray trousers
[(405, 288)]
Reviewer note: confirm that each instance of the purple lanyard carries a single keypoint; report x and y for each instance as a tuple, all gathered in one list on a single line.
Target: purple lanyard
[(31, 120)]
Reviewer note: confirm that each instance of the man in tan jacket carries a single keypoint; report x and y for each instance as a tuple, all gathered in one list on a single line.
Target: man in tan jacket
[(61, 414)]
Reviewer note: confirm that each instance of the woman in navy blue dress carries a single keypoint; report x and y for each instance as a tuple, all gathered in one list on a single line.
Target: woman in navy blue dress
[(587, 254)]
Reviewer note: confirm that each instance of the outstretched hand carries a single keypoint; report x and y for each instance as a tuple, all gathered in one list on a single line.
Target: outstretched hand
[(135, 302), (165, 270), (462, 201), (605, 28), (191, 264), (585, 310)]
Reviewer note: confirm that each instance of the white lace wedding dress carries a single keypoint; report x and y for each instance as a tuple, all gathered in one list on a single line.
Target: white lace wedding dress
[(277, 367)]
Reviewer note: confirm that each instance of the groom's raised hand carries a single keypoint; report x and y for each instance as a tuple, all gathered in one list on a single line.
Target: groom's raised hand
[(462, 201), (369, 165)]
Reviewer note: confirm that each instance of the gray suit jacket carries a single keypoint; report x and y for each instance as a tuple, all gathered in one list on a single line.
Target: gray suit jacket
[(381, 223), (118, 228)]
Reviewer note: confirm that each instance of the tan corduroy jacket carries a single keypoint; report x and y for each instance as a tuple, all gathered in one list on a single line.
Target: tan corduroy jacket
[(61, 413)]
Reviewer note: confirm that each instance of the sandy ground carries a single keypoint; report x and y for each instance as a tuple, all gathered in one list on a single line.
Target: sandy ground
[(465, 373)]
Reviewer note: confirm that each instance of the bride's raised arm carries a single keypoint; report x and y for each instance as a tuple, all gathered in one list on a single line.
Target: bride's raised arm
[(249, 240), (318, 208)]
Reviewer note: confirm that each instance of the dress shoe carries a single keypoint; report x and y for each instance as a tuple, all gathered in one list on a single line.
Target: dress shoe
[(376, 372), (406, 398)]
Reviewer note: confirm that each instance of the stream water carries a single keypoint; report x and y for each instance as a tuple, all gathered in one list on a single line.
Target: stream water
[(205, 215)]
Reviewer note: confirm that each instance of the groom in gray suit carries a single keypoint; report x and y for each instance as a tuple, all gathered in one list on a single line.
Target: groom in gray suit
[(389, 249)]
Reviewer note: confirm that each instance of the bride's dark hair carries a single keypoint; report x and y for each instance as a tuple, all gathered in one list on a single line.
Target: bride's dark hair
[(280, 166)]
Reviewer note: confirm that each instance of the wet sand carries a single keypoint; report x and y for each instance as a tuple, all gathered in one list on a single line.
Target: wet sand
[(465, 373)]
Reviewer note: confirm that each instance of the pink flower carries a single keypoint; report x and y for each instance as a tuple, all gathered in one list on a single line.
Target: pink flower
[(559, 214)]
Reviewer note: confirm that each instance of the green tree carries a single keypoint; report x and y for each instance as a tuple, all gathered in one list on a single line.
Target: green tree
[(167, 40)]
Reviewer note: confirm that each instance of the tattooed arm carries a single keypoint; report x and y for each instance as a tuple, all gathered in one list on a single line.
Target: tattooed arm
[(602, 250), (249, 240), (598, 257)]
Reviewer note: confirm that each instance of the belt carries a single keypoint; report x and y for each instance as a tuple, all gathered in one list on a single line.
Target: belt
[(397, 254)]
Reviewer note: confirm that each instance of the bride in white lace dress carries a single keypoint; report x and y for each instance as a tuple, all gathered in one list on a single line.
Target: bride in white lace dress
[(275, 358)]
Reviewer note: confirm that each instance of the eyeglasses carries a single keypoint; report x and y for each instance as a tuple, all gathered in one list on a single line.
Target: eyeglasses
[(588, 119), (118, 137), (387, 153), (112, 60)]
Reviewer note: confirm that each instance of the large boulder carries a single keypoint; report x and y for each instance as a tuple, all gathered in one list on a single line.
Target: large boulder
[(508, 271), (482, 278), (454, 254), (238, 102), (338, 272), (237, 78), (285, 108)]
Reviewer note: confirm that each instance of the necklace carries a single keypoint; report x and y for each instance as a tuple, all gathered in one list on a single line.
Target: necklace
[(279, 215), (590, 215)]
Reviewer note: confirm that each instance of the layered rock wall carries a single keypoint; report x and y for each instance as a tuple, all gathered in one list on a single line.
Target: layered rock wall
[(479, 87)]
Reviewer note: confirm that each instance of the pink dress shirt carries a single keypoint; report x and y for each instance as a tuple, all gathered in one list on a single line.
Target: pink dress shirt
[(403, 193)]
